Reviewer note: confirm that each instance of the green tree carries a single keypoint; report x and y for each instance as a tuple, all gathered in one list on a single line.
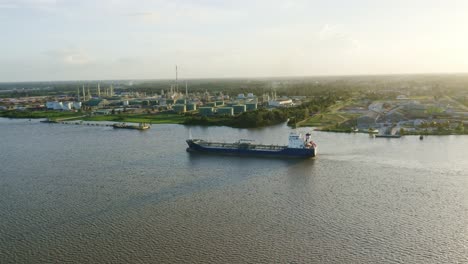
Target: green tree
[(461, 127)]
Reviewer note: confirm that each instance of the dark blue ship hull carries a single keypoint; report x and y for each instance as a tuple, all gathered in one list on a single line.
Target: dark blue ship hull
[(285, 152)]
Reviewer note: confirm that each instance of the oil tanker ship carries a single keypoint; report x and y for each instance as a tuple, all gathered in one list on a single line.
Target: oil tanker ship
[(298, 147)]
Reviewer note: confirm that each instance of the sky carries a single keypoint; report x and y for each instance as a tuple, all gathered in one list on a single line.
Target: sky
[(45, 40)]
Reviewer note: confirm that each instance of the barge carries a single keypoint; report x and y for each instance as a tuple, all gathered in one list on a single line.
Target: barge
[(140, 126)]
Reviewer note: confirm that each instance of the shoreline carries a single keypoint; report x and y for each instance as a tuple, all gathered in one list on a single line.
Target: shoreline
[(98, 119)]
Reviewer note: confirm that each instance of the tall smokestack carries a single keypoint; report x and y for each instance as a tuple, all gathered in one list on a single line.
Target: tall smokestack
[(84, 94), (176, 79), (99, 90)]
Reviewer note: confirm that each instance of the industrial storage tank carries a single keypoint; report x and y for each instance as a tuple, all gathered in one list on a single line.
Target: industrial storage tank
[(67, 106), (179, 108), (58, 106), (77, 105), (191, 107), (225, 111), (239, 109), (206, 111), (50, 105), (251, 106)]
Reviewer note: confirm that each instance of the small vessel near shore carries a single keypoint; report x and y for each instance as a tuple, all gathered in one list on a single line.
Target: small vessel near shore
[(298, 147), (48, 120), (390, 132), (140, 126), (388, 136)]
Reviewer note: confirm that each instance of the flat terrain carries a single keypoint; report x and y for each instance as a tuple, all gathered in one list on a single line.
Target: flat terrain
[(141, 118)]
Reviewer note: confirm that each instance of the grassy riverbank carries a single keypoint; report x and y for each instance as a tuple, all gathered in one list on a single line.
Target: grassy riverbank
[(159, 118), (39, 114)]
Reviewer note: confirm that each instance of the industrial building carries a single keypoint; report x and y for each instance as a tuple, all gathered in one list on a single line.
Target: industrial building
[(206, 111), (280, 103), (66, 106), (239, 109), (96, 103), (251, 106), (191, 107), (179, 108), (225, 111)]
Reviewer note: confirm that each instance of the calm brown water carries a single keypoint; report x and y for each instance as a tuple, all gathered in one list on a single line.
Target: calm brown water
[(82, 194)]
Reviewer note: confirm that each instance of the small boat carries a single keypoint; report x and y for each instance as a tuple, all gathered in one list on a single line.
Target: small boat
[(421, 137), (48, 120), (373, 131), (388, 136), (140, 126)]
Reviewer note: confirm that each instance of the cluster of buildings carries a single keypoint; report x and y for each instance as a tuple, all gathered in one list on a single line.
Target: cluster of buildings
[(66, 106), (208, 105), (107, 101), (409, 114), (24, 103)]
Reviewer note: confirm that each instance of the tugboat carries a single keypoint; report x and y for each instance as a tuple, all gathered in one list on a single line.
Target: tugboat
[(298, 147), (140, 126)]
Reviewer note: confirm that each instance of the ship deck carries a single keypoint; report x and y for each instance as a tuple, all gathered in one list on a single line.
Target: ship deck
[(239, 145)]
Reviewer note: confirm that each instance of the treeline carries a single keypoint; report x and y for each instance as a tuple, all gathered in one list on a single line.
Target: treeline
[(258, 118), (300, 86), (315, 105), (233, 87)]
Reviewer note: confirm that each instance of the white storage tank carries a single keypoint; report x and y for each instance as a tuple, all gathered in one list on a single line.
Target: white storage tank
[(66, 106), (50, 105), (58, 106), (77, 105)]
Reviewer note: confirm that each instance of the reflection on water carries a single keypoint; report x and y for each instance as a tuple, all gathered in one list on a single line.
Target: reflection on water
[(95, 194)]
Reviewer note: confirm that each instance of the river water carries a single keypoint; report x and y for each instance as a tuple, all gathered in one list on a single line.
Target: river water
[(84, 194)]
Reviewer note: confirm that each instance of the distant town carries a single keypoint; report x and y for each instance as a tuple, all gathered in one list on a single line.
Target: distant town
[(392, 106)]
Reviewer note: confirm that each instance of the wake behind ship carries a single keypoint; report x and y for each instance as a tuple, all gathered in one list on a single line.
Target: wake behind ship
[(298, 147)]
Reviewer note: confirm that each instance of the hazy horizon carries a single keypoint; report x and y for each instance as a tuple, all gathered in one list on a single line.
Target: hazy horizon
[(291, 77), (59, 40)]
